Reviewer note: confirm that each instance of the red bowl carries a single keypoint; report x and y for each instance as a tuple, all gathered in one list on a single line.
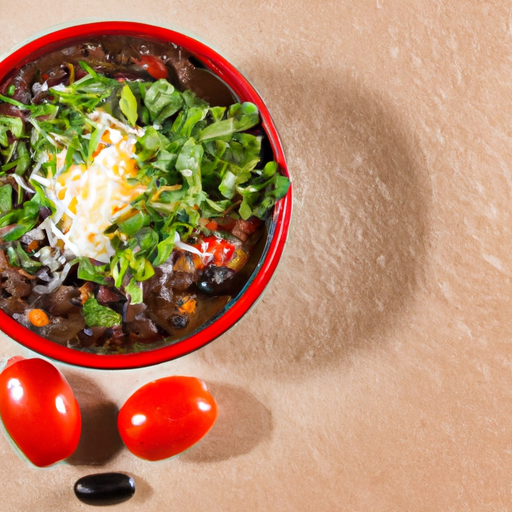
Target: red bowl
[(277, 230)]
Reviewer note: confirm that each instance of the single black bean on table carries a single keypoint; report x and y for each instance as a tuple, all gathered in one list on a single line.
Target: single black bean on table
[(104, 488)]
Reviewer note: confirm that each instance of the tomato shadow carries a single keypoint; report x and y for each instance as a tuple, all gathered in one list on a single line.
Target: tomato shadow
[(242, 423), (100, 441), (358, 250)]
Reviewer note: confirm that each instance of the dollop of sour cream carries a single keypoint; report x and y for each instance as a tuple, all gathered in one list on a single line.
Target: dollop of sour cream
[(89, 198)]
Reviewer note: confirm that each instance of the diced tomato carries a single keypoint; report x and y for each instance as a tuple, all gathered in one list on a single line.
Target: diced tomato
[(156, 68), (221, 249)]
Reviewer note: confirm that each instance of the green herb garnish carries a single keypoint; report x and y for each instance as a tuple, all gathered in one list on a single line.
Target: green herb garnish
[(193, 162), (96, 315)]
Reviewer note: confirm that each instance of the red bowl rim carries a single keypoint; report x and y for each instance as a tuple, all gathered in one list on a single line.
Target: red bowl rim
[(280, 225)]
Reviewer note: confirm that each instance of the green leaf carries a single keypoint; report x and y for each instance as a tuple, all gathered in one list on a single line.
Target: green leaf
[(162, 100), (219, 129), (28, 264), (245, 210), (89, 272), (269, 170), (217, 113), (6, 198), (44, 109), (217, 206), (15, 103), (12, 257), (245, 115), (133, 224), (23, 160), (134, 290), (41, 198), (8, 153), (164, 249), (188, 164), (147, 239), (94, 142), (119, 266), (281, 186), (22, 221), (189, 120), (128, 105), (228, 185), (142, 269), (165, 160), (150, 144), (261, 202), (14, 125), (96, 315)]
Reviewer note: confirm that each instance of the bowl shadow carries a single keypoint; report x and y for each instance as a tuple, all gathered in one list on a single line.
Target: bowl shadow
[(358, 248), (242, 423)]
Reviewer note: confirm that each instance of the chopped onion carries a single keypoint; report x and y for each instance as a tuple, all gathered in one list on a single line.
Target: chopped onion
[(33, 234), (56, 281), (49, 257), (21, 183)]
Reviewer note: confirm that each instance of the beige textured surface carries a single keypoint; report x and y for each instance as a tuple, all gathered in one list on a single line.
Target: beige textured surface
[(376, 372)]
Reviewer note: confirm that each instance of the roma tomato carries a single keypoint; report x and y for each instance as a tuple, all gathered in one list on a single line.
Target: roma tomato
[(39, 410), (166, 416)]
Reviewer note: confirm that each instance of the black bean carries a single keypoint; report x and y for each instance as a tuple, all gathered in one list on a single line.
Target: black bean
[(179, 321), (104, 488)]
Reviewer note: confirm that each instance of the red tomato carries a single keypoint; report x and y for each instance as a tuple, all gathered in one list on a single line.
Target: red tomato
[(166, 416), (156, 68), (39, 410)]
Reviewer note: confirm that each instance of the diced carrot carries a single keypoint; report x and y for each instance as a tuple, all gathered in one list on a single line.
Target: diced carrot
[(212, 225), (189, 306), (38, 317), (33, 246)]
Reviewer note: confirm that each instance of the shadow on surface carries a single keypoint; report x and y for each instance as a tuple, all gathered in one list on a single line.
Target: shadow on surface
[(359, 236), (242, 423), (143, 491), (100, 441)]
